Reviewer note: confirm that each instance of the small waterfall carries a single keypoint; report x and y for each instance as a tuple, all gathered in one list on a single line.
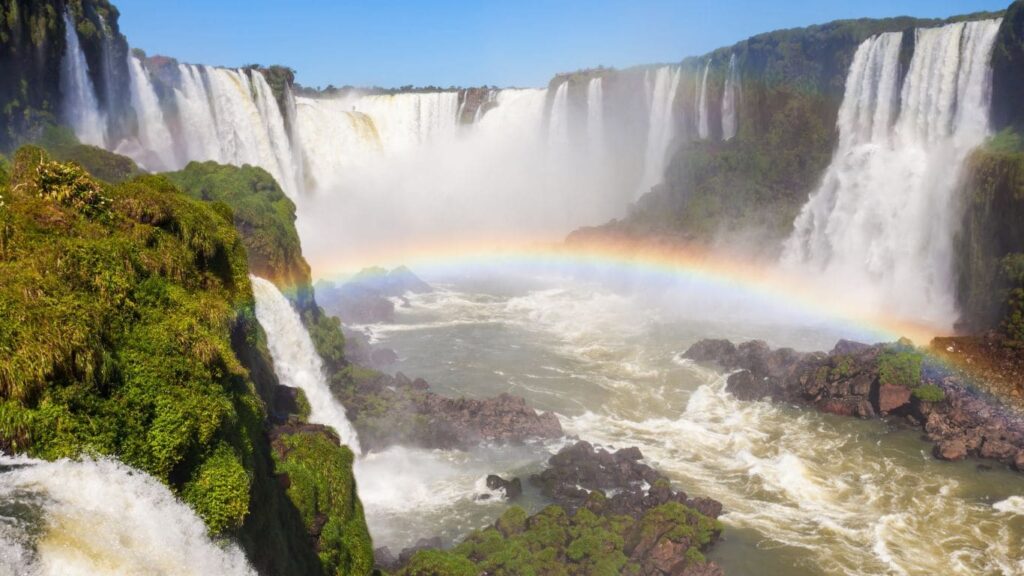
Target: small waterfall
[(883, 217), (703, 123), (81, 108), (296, 361), (558, 117), (77, 518), (661, 87), (730, 101), (153, 134), (595, 114)]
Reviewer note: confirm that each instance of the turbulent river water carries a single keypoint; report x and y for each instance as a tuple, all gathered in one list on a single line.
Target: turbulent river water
[(806, 493)]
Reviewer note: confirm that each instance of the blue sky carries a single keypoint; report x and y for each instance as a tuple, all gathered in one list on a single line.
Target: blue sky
[(446, 42)]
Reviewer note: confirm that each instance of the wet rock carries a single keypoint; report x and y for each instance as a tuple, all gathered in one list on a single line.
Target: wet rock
[(891, 397), (846, 382), (950, 450), (422, 544), (385, 559), (513, 488), (1018, 461)]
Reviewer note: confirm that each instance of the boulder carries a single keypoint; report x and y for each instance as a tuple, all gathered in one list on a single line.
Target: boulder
[(513, 488), (892, 397), (950, 450)]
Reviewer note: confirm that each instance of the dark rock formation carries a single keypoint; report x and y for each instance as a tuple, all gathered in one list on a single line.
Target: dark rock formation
[(388, 410), (867, 381), (513, 488), (630, 486), (365, 299)]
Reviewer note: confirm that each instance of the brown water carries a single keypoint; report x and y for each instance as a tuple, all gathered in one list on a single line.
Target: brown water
[(805, 493)]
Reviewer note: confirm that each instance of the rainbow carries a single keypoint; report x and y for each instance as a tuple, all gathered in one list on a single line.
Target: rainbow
[(665, 259)]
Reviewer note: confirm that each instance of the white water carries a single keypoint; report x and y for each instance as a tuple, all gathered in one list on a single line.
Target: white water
[(883, 216), (558, 117), (296, 361), (81, 108), (87, 517), (806, 493), (153, 133), (661, 86), (703, 122), (730, 101), (595, 115)]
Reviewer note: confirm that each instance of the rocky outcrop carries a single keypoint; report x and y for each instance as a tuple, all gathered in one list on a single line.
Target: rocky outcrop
[(368, 297), (631, 487), (869, 381), (388, 410), (613, 514), (512, 489)]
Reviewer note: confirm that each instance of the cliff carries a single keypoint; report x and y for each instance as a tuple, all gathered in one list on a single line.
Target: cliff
[(128, 329), (32, 47)]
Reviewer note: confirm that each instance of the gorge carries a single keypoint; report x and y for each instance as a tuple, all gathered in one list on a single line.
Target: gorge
[(178, 396)]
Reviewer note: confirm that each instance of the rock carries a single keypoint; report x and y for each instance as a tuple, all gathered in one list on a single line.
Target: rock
[(512, 488), (1018, 461), (848, 347), (997, 450), (892, 397), (745, 386), (950, 450), (708, 350), (385, 559)]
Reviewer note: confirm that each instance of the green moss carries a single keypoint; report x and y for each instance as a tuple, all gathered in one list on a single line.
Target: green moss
[(439, 563), (512, 522), (929, 393), (117, 307), (900, 368), (219, 490), (322, 488)]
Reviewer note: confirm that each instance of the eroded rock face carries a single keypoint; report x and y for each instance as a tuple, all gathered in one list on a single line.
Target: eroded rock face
[(513, 488), (847, 382), (388, 410), (630, 487)]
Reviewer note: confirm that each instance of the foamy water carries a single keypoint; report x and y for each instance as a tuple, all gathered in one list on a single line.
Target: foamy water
[(806, 493), (87, 517)]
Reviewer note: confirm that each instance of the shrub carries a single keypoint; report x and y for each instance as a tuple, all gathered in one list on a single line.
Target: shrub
[(900, 368), (929, 393)]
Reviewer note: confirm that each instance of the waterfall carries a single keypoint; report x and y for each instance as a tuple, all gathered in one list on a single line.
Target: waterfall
[(296, 361), (730, 101), (883, 217), (558, 117), (595, 114), (81, 108), (274, 127), (661, 122), (75, 518), (153, 134), (703, 123)]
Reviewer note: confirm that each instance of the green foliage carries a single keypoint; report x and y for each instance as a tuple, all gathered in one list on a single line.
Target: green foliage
[(1006, 141), (900, 368), (115, 332), (325, 331), (553, 543), (1013, 271), (219, 490), (929, 393), (61, 143), (439, 563), (322, 487), (263, 215)]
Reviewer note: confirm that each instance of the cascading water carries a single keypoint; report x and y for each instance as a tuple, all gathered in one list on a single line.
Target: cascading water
[(661, 87), (79, 518), (730, 101), (882, 218), (152, 133), (703, 123), (81, 107), (296, 361), (558, 117), (595, 115)]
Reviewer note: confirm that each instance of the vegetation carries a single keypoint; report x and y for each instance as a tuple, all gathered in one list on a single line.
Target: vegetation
[(61, 143), (322, 487), (1013, 271), (900, 368), (587, 543), (929, 393)]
